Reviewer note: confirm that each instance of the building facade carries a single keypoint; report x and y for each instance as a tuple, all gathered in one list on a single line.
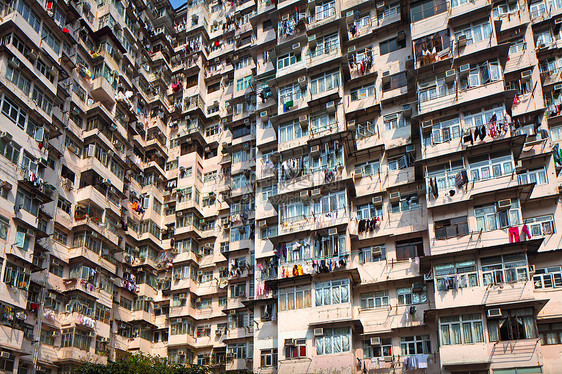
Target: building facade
[(292, 186)]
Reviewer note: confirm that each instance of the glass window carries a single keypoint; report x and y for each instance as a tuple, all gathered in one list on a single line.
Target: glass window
[(507, 268), (490, 217), (292, 298), (332, 292), (550, 277), (335, 340), (455, 275), (451, 228), (465, 329), (376, 299), (415, 345)]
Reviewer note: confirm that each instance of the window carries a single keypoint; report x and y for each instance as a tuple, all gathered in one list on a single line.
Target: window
[(323, 10), (505, 7), (479, 75), (296, 350), (517, 46), (363, 92), (334, 340), (395, 121), (415, 345), (435, 87), (376, 299), (372, 254), (64, 205), (550, 333), (325, 45), (240, 233), (4, 227), (238, 290), (490, 218), (243, 83), (238, 350), (291, 131), (426, 9), (506, 268), (400, 162), (451, 228), (243, 62), (322, 122), (465, 329), (293, 298), (443, 131), (514, 324), (409, 249), (537, 176), (16, 276), (268, 357), (475, 32), (407, 296), (17, 78), (42, 100), (324, 82), (10, 150), (288, 60), (490, 166), (55, 267), (392, 45), (550, 277), (456, 275), (383, 350), (14, 112), (25, 201), (289, 94), (406, 203), (332, 292), (29, 15), (541, 226), (117, 169), (396, 81)]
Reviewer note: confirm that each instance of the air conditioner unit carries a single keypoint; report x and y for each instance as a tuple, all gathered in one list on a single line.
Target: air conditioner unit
[(304, 194), (302, 81), (182, 296), (531, 269), (386, 76), (526, 74), (4, 354), (181, 353), (333, 232), (407, 110), (263, 224), (316, 193), (411, 148), (14, 62), (375, 341), (495, 312), (179, 214), (427, 125), (29, 232), (380, 5), (450, 75), (464, 69), (349, 15), (32, 56), (461, 41), (357, 173), (246, 121), (315, 150), (376, 251), (417, 287), (558, 21), (401, 35), (319, 332), (312, 41), (351, 125), (303, 120), (557, 87), (288, 343), (296, 47), (264, 115), (394, 196), (351, 49), (6, 136), (330, 107), (285, 17), (376, 200), (504, 204)]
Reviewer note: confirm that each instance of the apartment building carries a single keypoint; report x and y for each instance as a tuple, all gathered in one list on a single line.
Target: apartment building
[(287, 186)]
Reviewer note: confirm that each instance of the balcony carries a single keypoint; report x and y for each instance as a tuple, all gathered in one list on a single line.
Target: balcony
[(11, 338), (102, 90), (464, 354), (504, 293), (511, 20), (518, 353), (429, 21)]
